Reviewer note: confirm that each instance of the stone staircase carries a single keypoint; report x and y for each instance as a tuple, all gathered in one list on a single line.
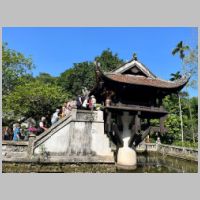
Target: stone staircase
[(78, 137)]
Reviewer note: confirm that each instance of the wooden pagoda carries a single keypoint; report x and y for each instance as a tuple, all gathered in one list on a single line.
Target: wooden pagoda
[(135, 89)]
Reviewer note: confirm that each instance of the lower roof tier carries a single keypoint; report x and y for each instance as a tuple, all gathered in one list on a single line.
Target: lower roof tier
[(148, 82)]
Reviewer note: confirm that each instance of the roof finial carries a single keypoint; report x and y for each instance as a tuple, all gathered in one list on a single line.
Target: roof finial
[(134, 56)]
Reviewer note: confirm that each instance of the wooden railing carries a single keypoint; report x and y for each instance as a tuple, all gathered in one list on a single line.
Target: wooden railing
[(138, 107)]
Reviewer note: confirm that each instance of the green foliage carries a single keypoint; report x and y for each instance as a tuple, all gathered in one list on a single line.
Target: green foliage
[(180, 48), (15, 67), (173, 120), (32, 99), (75, 79), (190, 66), (109, 61), (172, 123), (82, 75), (186, 144), (46, 78)]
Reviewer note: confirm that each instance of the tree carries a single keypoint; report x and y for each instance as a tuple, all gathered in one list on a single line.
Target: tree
[(190, 67), (109, 61), (31, 100), (46, 78), (177, 76), (180, 48), (15, 67), (82, 74), (75, 79)]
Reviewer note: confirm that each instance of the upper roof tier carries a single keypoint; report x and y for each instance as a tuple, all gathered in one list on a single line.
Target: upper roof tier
[(135, 73)]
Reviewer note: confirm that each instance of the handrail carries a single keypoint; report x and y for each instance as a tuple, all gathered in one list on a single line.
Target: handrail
[(53, 127)]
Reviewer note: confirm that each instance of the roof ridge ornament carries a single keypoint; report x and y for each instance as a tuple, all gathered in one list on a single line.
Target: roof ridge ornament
[(135, 57)]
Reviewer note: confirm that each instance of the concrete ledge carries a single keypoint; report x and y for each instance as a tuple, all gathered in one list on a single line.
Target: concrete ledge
[(63, 159), (15, 143)]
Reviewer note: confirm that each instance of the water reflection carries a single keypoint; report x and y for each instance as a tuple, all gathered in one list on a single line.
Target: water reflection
[(158, 163)]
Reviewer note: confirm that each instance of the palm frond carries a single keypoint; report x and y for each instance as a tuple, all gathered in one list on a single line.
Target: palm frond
[(175, 51), (186, 48), (180, 44)]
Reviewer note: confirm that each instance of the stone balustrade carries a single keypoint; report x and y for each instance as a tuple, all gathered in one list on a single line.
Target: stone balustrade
[(14, 150), (176, 151)]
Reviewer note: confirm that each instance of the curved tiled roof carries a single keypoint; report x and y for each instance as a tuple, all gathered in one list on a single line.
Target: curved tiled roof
[(131, 63), (146, 81), (149, 80)]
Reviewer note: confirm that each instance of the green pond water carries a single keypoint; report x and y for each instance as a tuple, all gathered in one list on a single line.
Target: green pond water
[(147, 163)]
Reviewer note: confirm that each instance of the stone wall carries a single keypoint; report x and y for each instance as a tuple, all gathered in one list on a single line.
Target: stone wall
[(12, 150), (179, 152), (83, 134), (78, 137)]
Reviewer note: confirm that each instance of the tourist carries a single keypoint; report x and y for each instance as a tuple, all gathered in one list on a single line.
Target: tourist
[(93, 102), (29, 121), (22, 133), (66, 109), (90, 103), (16, 133), (60, 112), (79, 102), (69, 107), (85, 103), (73, 104), (48, 119), (158, 141), (10, 132), (42, 125), (5, 133), (32, 129), (55, 117)]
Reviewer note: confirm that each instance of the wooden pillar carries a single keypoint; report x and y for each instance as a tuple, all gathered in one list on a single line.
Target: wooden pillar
[(108, 122), (137, 122), (136, 128)]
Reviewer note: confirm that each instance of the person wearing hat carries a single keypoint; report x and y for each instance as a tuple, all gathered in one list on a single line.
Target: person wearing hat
[(55, 117)]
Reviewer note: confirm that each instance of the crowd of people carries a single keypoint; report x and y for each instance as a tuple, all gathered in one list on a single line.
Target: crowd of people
[(21, 131), (86, 103)]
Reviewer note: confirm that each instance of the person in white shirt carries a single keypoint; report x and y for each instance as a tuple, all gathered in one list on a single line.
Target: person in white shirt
[(55, 117), (85, 103)]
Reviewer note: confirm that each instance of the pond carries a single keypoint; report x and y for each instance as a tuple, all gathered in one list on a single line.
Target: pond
[(147, 163)]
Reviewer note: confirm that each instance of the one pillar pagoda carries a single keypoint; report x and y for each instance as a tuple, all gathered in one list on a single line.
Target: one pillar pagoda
[(132, 95)]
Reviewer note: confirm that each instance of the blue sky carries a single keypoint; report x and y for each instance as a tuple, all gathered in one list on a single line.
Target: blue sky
[(56, 49)]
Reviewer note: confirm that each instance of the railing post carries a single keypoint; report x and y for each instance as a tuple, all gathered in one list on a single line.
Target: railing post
[(31, 143)]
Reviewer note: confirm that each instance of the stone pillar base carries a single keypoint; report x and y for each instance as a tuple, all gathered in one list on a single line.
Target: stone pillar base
[(126, 158)]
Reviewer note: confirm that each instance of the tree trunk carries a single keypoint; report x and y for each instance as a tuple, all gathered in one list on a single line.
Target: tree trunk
[(181, 118), (191, 119)]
